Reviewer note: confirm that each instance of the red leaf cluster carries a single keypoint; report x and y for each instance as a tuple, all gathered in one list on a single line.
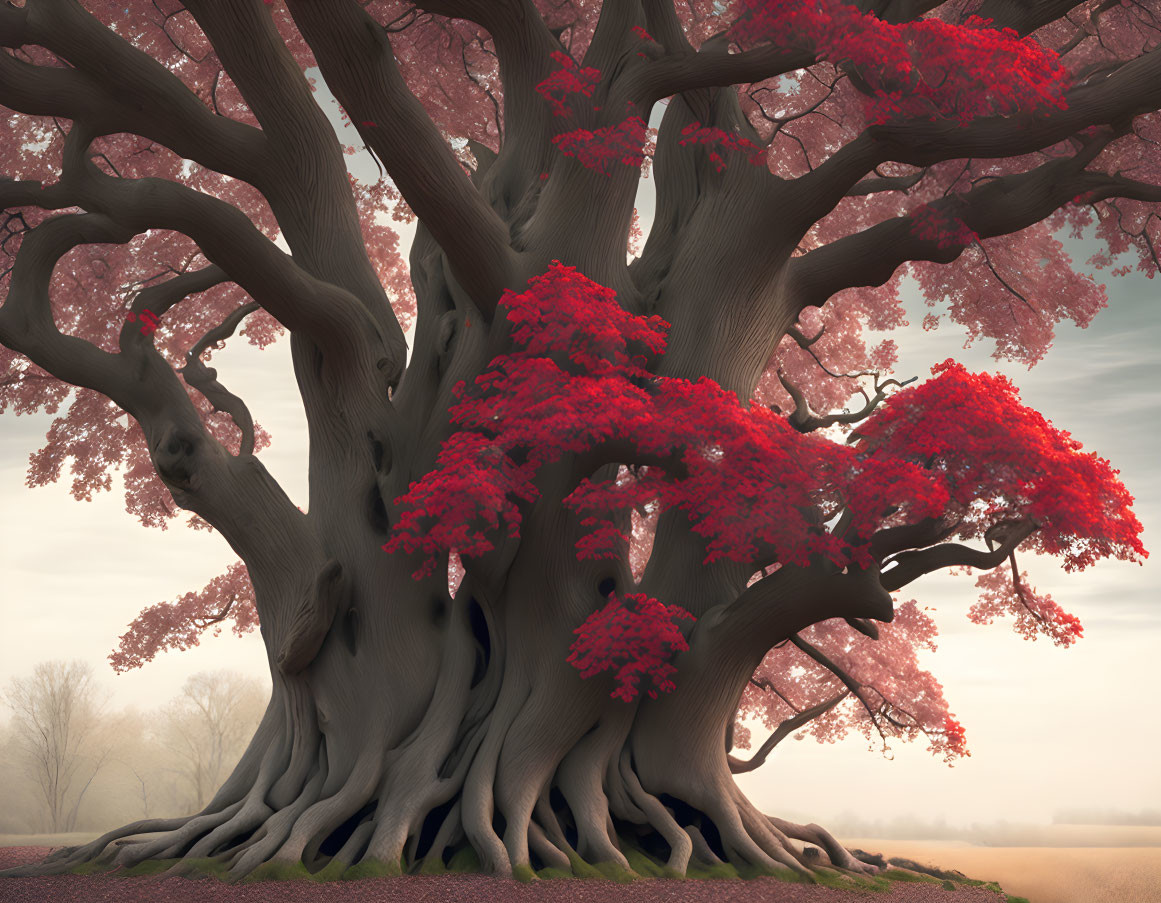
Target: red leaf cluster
[(634, 636), (961, 445), (719, 139), (922, 69), (997, 459), (570, 79), (602, 149)]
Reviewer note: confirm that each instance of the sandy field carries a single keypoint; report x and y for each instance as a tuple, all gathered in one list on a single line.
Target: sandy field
[(1082, 874)]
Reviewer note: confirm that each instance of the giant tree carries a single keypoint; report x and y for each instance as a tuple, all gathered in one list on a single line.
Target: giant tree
[(606, 507)]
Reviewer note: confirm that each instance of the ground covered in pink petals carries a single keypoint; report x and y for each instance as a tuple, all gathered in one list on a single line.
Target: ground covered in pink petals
[(444, 889)]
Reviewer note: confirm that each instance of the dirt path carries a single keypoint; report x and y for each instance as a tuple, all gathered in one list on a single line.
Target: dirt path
[(445, 889)]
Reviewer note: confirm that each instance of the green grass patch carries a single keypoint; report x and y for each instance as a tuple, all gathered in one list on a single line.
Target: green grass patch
[(372, 868), (582, 869), (332, 871), (1012, 899), (949, 885), (644, 865), (901, 875), (550, 873), (524, 873), (90, 868), (464, 860), (614, 871), (432, 865), (719, 872)]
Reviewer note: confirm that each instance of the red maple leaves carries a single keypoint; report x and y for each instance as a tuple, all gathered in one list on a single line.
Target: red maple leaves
[(149, 321), (578, 378), (634, 636), (997, 459), (924, 69), (570, 79), (602, 149)]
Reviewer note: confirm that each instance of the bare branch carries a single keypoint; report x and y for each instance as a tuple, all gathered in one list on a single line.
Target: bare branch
[(204, 378), (784, 730)]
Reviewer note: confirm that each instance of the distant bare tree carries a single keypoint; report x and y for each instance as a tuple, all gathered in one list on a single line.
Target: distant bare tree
[(55, 718), (207, 728)]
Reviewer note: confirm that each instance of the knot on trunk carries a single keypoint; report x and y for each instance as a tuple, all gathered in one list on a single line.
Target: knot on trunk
[(312, 621)]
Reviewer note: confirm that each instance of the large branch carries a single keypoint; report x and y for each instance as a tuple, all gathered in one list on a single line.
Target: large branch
[(908, 566), (26, 321), (996, 207), (115, 87), (357, 62), (308, 185), (793, 598), (713, 66), (1130, 90), (330, 315)]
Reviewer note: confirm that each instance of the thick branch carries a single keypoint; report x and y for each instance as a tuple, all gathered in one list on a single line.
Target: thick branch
[(713, 66), (784, 730), (996, 207), (1131, 90), (26, 321), (792, 598), (909, 566), (117, 88), (356, 60), (333, 318)]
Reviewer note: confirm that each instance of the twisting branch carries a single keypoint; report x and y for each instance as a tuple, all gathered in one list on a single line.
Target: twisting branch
[(784, 730), (330, 315), (114, 87), (905, 567), (803, 420), (996, 207), (26, 321), (158, 299), (204, 378)]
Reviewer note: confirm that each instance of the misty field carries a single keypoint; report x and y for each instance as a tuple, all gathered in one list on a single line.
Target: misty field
[(1049, 874)]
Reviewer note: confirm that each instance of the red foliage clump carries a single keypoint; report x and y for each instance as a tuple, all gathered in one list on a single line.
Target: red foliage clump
[(926, 69), (635, 636)]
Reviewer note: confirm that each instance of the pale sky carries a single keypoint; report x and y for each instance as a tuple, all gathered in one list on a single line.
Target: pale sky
[(1049, 728)]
